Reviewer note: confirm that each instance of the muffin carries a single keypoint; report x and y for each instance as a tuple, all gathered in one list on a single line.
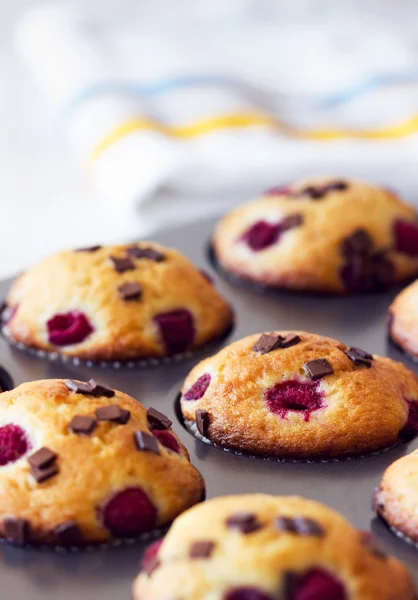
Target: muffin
[(396, 500), (321, 235), (115, 303), (259, 547), (85, 464), (403, 320), (299, 395)]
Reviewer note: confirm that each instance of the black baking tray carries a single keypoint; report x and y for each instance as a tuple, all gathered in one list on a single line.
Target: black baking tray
[(107, 573)]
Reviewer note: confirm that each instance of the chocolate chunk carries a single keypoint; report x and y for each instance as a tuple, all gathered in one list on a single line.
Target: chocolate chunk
[(358, 242), (78, 387), (89, 249), (319, 368), (336, 186), (369, 541), (316, 193), (307, 527), (68, 534), (130, 291), (98, 389), (202, 549), (290, 340), (122, 264), (268, 342), (359, 357), (291, 221), (113, 413), (157, 420), (243, 522), (202, 422), (42, 458), (82, 424), (16, 530), (286, 524), (145, 441), (149, 253), (45, 473)]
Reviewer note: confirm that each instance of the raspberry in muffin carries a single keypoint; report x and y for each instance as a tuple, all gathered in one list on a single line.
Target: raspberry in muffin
[(299, 395), (260, 547), (396, 499), (115, 303), (321, 235), (81, 463), (403, 320)]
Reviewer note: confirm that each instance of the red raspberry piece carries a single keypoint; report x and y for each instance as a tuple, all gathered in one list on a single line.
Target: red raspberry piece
[(406, 237), (410, 429), (318, 585), (296, 396), (177, 330), (262, 235), (199, 388), (246, 593), (13, 443), (167, 439), (68, 328), (129, 513), (150, 561)]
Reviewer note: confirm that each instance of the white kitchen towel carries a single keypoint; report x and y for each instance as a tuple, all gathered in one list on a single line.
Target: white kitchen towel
[(180, 100)]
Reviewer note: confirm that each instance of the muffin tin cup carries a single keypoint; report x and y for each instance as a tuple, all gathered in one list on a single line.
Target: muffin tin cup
[(143, 363)]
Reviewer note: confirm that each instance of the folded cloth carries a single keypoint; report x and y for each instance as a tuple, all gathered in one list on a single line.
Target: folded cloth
[(184, 102)]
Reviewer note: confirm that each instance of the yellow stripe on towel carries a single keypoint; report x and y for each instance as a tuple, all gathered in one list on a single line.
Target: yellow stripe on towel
[(237, 121)]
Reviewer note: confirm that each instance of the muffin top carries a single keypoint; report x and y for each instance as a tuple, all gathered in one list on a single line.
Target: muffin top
[(300, 395), (115, 303), (403, 319), (260, 547), (321, 234), (81, 463)]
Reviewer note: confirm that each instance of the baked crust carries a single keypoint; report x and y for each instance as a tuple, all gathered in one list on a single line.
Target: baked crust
[(91, 468), (266, 560), (123, 329), (403, 320), (310, 256), (361, 410)]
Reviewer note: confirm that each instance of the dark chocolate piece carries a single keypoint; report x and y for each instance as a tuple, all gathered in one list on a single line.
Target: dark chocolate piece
[(291, 340), (98, 389), (42, 458), (359, 357), (145, 441), (78, 387), (131, 290), (267, 343), (316, 193), (243, 522), (88, 249), (376, 505), (202, 422), (122, 264), (336, 186), (43, 474), (149, 253), (68, 534), (113, 413), (157, 420), (306, 527), (201, 549), (16, 530), (317, 369), (286, 524), (82, 424), (291, 221), (359, 243)]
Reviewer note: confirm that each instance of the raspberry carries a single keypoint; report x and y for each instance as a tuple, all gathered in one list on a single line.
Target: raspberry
[(68, 328), (198, 388), (262, 235), (150, 560), (410, 429), (294, 395), (129, 513), (167, 439), (176, 329), (13, 444), (406, 237), (318, 585), (246, 593)]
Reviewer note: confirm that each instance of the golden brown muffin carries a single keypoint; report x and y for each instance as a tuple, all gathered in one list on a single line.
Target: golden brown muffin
[(403, 320), (259, 547), (115, 303), (299, 395), (321, 235), (396, 500), (81, 464)]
